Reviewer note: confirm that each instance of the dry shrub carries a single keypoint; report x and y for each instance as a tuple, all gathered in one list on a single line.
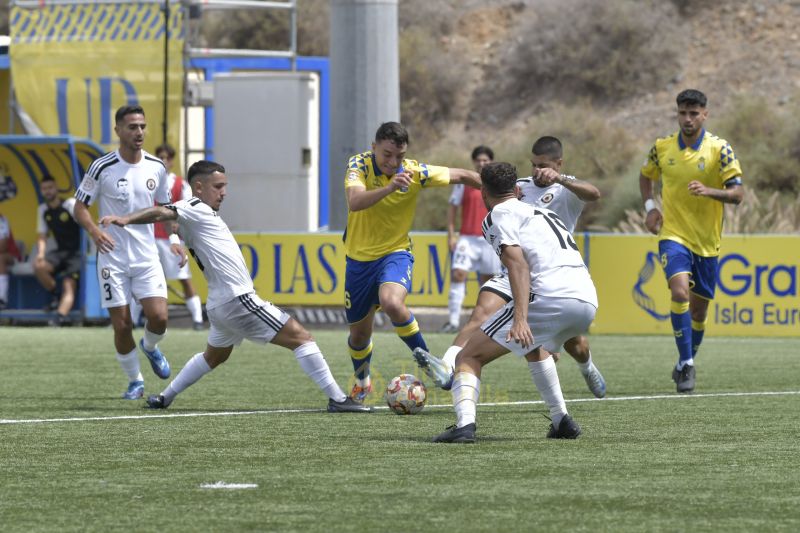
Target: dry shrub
[(770, 214), (607, 51)]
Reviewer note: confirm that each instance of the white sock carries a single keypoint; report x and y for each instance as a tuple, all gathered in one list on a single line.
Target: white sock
[(196, 368), (682, 364), (545, 377), (130, 365), (450, 355), (151, 339), (136, 311), (314, 365), (587, 366), (454, 301), (466, 391), (195, 307), (4, 287)]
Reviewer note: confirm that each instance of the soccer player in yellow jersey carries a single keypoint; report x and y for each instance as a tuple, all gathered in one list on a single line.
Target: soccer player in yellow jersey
[(381, 187), (699, 172)]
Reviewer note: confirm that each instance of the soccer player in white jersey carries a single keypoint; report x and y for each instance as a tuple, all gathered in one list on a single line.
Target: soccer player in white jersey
[(123, 181), (235, 311), (174, 265), (566, 196), (552, 293)]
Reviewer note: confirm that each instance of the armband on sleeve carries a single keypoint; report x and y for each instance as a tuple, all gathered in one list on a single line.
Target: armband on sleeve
[(737, 180)]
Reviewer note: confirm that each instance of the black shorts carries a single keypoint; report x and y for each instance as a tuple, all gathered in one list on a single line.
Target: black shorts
[(65, 262)]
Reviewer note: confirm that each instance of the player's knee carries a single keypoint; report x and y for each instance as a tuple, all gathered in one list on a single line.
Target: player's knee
[(395, 308), (122, 325), (680, 294), (459, 276)]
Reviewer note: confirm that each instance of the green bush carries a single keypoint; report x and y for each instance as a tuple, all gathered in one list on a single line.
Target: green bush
[(765, 139), (429, 83), (607, 51)]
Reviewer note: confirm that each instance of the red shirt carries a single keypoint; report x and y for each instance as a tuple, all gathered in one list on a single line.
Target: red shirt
[(473, 211)]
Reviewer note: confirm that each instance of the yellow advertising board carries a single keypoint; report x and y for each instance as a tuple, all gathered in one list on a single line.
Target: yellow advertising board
[(757, 291), (308, 269), (74, 65)]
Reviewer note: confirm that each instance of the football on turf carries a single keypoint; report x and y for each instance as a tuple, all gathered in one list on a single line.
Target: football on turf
[(405, 395)]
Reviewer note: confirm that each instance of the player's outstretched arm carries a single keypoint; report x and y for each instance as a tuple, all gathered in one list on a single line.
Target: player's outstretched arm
[(467, 177), (582, 189), (143, 216)]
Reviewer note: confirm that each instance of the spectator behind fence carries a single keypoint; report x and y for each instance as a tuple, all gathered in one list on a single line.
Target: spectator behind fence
[(58, 269)]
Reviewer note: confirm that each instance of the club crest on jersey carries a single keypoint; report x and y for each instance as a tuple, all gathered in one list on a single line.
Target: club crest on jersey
[(64, 216), (106, 273), (547, 198), (151, 184), (702, 164)]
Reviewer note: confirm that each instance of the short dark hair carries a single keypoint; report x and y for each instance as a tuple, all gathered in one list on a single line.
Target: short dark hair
[(166, 148), (549, 146), (203, 168), (482, 150), (499, 178), (392, 131), (125, 110), (47, 177), (691, 97)]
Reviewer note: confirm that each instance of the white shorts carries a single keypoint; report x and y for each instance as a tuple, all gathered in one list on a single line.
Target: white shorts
[(500, 285), (553, 321), (473, 254), (119, 282), (171, 262), (245, 317)]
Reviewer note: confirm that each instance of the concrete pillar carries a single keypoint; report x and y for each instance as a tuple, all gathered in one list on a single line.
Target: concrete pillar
[(365, 85)]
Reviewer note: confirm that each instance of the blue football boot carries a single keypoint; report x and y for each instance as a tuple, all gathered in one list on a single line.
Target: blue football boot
[(157, 360)]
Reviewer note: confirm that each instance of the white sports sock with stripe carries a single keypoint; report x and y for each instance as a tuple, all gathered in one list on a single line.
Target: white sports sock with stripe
[(545, 377), (466, 391), (196, 368), (314, 365), (130, 365)]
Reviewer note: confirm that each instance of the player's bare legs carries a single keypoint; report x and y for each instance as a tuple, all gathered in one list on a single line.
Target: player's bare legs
[(127, 355), (155, 311), (578, 348), (482, 350), (155, 329), (68, 288), (123, 329), (43, 271), (488, 303), (392, 298)]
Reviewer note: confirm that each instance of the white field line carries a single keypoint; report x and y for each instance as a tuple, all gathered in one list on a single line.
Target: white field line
[(229, 486), (488, 404)]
